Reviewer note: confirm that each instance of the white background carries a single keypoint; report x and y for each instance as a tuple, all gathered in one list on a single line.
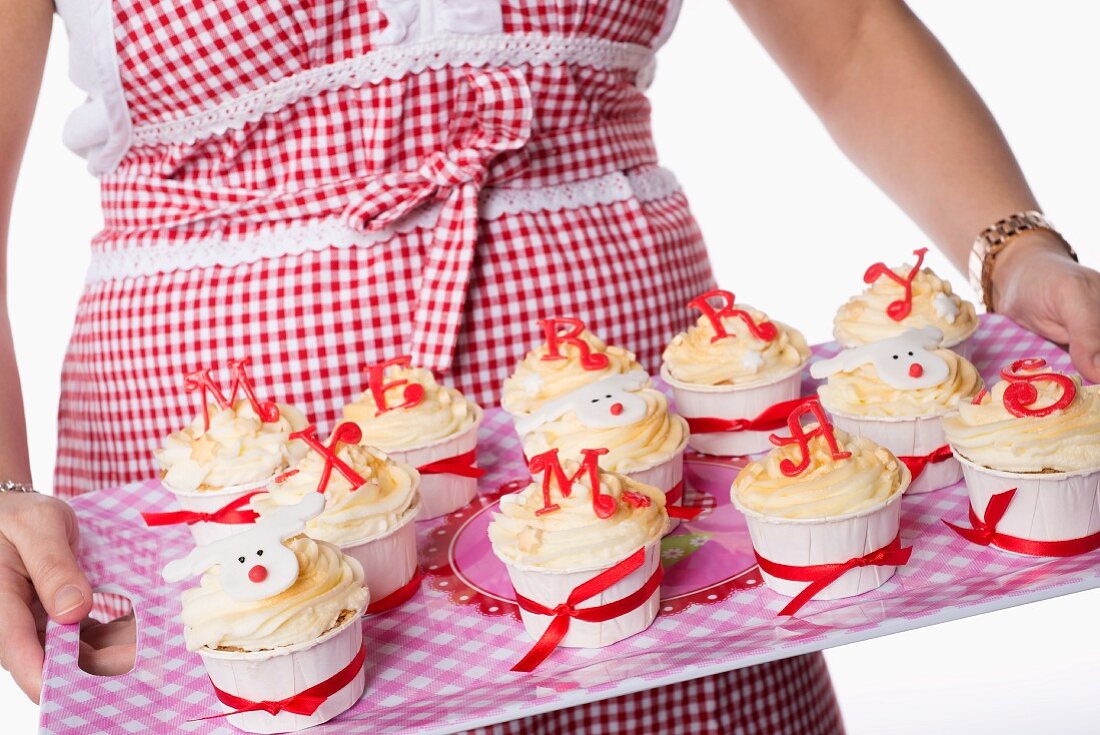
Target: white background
[(791, 225)]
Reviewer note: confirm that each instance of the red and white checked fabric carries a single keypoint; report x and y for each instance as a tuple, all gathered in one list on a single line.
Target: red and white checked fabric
[(301, 190), (792, 696)]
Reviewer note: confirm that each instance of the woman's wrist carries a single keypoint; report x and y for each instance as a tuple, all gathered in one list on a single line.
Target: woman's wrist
[(1029, 249)]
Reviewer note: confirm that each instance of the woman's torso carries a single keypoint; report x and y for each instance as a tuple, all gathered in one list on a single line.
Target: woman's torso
[(321, 186)]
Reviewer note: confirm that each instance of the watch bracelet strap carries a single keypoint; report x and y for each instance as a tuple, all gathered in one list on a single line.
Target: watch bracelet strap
[(996, 238), (7, 486)]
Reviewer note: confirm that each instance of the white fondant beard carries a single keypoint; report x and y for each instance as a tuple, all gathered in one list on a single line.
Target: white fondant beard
[(280, 567), (894, 359), (255, 565), (605, 404)]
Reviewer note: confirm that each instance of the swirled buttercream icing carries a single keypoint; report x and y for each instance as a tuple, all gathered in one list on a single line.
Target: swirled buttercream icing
[(864, 318), (353, 512), (440, 413), (862, 392), (574, 536), (741, 358), (657, 436), (237, 448), (1066, 440), (828, 486), (537, 379), (329, 587)]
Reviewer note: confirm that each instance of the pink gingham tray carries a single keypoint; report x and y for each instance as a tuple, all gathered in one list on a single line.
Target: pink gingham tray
[(441, 662)]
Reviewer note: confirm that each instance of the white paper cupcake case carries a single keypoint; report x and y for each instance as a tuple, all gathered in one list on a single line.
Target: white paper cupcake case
[(444, 493), (389, 561), (906, 437), (551, 588), (664, 476), (284, 672), (1046, 506), (207, 502), (809, 542), (732, 402)]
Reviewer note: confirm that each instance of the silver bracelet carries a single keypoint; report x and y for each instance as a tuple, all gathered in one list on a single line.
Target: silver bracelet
[(7, 486)]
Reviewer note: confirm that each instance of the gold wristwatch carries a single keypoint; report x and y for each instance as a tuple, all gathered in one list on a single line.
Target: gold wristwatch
[(994, 239)]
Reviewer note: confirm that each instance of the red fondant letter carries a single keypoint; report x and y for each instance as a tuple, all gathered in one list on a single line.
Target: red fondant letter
[(765, 331), (376, 380), (574, 328), (549, 464), (800, 437)]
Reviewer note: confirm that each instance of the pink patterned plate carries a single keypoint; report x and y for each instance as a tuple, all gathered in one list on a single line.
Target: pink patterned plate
[(705, 559)]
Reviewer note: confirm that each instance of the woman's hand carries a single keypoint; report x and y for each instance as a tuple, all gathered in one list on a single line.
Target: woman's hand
[(1038, 285), (38, 576)]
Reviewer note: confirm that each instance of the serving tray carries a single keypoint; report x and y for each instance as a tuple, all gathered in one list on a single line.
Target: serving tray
[(440, 663)]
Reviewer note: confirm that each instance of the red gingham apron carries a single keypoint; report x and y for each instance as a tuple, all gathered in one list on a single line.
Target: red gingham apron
[(322, 185)]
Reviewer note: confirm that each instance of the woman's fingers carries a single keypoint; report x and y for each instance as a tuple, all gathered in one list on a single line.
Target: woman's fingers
[(1043, 289), (109, 661), (38, 536), (43, 531), (118, 632), (1081, 312), (20, 649)]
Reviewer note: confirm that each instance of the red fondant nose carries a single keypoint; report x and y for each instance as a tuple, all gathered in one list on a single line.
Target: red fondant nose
[(616, 409), (916, 370), (257, 573)]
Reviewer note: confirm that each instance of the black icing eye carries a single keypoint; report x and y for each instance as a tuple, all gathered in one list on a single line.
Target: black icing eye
[(895, 357), (910, 354), (260, 552), (595, 400), (240, 559), (608, 395)]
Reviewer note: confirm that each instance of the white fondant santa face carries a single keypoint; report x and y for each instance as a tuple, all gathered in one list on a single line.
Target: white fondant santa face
[(905, 362), (607, 403), (254, 564)]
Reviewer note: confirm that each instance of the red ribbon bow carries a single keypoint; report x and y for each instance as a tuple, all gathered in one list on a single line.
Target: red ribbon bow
[(772, 418), (821, 576), (461, 465), (916, 464), (984, 533), (680, 512), (489, 132), (303, 703), (568, 611), (232, 513)]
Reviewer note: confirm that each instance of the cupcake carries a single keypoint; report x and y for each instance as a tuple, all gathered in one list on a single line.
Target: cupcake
[(571, 358), (275, 619), (371, 502), (573, 525), (1030, 452), (735, 376), (894, 392), (644, 439), (418, 422), (823, 498), (231, 450), (903, 298)]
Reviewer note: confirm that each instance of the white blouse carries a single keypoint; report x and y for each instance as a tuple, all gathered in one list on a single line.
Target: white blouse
[(98, 130)]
